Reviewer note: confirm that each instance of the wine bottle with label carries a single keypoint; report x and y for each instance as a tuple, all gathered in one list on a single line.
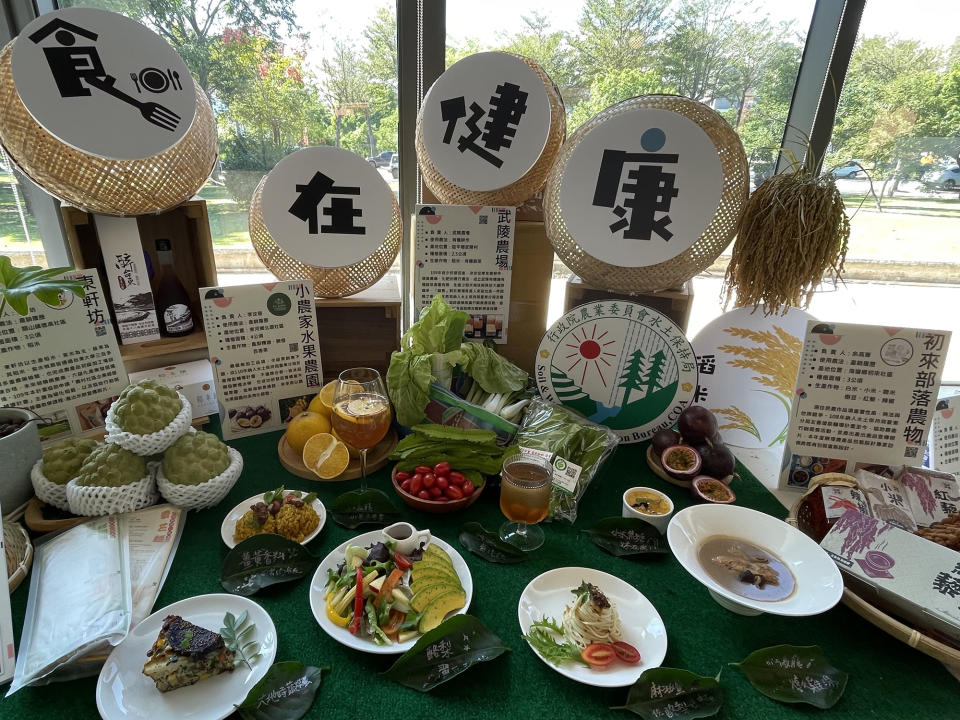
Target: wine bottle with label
[(173, 304)]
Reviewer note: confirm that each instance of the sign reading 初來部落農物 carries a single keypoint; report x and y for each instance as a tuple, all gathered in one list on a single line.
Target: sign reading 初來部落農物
[(620, 364), (865, 395), (327, 207), (103, 84), (465, 253), (486, 121), (945, 448), (263, 345), (641, 187), (63, 361)]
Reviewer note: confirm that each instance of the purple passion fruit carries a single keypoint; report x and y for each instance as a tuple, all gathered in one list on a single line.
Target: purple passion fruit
[(711, 490), (716, 460), (662, 439), (680, 461), (696, 424)]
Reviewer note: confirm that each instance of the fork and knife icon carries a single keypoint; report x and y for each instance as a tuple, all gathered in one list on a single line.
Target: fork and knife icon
[(152, 112)]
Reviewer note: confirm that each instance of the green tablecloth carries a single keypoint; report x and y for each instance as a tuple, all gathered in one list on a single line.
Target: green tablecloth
[(887, 678)]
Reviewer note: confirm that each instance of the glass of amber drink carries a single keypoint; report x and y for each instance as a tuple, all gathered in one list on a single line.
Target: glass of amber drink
[(361, 412), (525, 485)]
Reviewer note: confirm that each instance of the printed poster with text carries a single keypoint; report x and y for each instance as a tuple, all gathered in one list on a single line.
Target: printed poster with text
[(945, 447), (62, 361), (263, 345), (865, 396), (465, 253)]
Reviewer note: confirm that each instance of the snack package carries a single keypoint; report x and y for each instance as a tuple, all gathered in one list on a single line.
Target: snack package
[(576, 447)]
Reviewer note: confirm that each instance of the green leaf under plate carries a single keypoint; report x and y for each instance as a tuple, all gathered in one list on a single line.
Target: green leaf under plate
[(264, 560), (445, 652), (286, 692), (625, 537), (370, 507), (794, 674), (673, 693), (483, 543)]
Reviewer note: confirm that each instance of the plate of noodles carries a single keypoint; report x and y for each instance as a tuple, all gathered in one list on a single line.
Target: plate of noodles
[(571, 613)]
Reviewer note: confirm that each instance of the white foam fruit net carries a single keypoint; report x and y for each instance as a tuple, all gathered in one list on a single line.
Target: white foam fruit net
[(206, 494), (152, 443)]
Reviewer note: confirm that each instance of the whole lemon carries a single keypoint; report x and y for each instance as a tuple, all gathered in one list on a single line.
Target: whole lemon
[(303, 427)]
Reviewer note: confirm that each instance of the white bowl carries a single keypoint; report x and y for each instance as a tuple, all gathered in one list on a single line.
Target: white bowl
[(819, 584), (658, 521)]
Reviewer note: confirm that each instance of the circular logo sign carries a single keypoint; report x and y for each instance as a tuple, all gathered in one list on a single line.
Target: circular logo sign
[(619, 364), (327, 207), (641, 187), (103, 84), (486, 120)]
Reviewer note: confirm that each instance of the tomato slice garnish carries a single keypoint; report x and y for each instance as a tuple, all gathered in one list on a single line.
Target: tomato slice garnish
[(598, 654), (402, 561), (626, 652)]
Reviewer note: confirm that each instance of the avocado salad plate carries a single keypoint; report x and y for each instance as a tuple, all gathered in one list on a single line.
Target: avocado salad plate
[(403, 595)]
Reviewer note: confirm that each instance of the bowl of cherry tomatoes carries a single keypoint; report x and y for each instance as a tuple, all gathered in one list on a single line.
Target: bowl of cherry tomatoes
[(437, 489)]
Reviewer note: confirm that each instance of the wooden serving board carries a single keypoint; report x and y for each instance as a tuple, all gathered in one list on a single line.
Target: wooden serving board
[(661, 473), (377, 457), (34, 519)]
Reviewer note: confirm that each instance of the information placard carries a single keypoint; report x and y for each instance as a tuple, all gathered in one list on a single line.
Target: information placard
[(62, 362), (263, 345), (466, 254), (945, 448), (865, 395)]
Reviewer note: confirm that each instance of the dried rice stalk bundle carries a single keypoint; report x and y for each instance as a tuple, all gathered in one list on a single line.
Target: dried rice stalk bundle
[(792, 236)]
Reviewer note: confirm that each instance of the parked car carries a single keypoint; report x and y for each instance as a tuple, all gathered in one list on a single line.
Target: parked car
[(848, 170), (395, 166), (383, 159), (948, 178)]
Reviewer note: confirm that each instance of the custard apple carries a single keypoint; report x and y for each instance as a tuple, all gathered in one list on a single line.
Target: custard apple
[(195, 458), (62, 460), (146, 407), (111, 466)]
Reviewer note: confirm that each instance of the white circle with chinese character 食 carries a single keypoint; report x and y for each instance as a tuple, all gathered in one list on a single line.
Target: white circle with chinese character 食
[(103, 84), (327, 207), (486, 121), (620, 364), (641, 187)]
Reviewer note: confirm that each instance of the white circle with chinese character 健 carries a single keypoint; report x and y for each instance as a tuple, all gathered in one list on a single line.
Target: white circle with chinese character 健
[(620, 364), (641, 187), (486, 121), (327, 207), (103, 84)]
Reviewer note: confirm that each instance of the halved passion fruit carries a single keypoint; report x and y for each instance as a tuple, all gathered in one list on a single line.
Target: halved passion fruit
[(711, 490), (680, 461)]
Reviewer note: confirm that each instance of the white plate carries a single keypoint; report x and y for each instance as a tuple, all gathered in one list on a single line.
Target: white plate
[(547, 595), (342, 635), (125, 693), (819, 583), (230, 521)]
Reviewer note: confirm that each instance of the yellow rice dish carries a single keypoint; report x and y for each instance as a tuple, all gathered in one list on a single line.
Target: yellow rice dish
[(293, 519)]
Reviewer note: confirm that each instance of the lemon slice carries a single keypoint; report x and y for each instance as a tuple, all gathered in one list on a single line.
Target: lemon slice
[(326, 395), (325, 456)]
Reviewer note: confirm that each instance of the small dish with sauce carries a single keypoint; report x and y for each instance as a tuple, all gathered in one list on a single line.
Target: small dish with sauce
[(649, 505)]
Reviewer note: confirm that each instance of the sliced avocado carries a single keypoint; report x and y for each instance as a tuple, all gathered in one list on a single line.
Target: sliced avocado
[(418, 574), (438, 608), (434, 551), (434, 561), (425, 594)]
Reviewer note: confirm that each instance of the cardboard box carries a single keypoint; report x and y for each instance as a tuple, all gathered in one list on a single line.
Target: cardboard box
[(193, 379), (898, 572)]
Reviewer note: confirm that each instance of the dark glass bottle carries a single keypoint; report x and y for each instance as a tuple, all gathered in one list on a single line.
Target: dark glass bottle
[(172, 301)]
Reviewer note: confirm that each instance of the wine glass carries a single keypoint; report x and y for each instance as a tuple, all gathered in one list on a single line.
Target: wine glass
[(525, 485), (361, 412)]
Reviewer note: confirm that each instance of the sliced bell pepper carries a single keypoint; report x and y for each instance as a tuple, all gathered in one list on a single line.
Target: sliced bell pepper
[(357, 603), (386, 590), (393, 625), (333, 615)]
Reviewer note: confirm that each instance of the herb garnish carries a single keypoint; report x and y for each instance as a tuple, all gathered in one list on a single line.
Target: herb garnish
[(599, 600), (542, 638), (187, 637), (235, 637)]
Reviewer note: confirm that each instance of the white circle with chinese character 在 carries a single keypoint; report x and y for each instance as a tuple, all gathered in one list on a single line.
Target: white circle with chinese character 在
[(486, 121), (620, 364), (641, 187), (327, 207), (103, 84)]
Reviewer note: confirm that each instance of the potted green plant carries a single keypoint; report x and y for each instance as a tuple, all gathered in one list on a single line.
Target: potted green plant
[(19, 439)]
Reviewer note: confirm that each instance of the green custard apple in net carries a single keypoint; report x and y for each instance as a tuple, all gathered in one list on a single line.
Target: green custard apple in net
[(111, 466), (146, 407), (195, 458), (62, 460)]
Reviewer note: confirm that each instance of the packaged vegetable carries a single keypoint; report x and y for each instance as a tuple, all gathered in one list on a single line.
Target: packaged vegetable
[(576, 446)]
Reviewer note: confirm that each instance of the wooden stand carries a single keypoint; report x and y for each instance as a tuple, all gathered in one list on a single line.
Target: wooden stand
[(675, 303), (529, 294)]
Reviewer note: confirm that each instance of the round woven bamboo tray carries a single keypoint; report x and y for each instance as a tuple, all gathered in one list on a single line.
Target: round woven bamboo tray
[(327, 282), (96, 184), (707, 248), (518, 192), (19, 553)]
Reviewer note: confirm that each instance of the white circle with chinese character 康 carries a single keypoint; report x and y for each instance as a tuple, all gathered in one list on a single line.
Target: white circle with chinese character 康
[(641, 187), (620, 364), (327, 207), (486, 121), (103, 84)]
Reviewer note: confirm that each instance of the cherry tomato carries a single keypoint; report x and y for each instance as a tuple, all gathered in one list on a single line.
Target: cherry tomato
[(598, 654), (456, 478), (428, 480), (416, 484), (453, 492), (626, 652), (401, 476), (441, 469), (442, 483), (468, 488), (423, 495), (405, 563), (405, 485), (435, 492), (423, 469)]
